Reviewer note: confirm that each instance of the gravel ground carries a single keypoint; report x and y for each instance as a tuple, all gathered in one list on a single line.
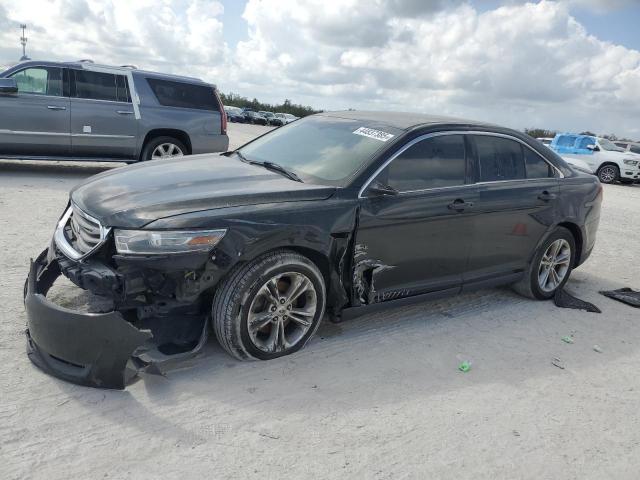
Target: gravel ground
[(377, 397)]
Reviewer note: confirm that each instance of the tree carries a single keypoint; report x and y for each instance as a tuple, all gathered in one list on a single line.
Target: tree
[(233, 99), (539, 133)]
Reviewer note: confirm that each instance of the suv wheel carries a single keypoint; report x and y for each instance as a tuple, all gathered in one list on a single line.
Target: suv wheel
[(608, 173), (163, 147), (269, 307), (551, 266)]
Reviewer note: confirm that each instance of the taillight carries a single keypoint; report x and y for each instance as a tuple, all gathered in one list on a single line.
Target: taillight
[(223, 115)]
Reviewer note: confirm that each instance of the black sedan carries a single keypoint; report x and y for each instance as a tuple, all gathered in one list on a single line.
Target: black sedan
[(234, 114), (254, 117), (338, 213)]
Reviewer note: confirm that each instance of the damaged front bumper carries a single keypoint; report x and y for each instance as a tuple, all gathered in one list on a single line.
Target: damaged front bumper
[(93, 349)]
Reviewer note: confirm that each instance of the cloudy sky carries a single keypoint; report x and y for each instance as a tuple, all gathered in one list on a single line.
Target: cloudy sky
[(564, 65)]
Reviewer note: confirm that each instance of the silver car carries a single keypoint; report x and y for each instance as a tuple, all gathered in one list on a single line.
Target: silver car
[(84, 111)]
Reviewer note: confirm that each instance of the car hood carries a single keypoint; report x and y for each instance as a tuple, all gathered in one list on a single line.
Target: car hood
[(133, 196)]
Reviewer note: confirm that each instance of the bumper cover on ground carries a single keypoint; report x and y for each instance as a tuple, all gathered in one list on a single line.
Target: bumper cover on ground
[(93, 349)]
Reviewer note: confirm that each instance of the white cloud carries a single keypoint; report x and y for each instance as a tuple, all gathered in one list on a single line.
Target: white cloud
[(523, 64), (183, 36)]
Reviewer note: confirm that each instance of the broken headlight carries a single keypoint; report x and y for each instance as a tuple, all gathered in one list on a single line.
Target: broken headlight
[(149, 242)]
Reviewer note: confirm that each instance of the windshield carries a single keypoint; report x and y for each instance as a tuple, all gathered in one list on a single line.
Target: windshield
[(609, 145), (325, 150)]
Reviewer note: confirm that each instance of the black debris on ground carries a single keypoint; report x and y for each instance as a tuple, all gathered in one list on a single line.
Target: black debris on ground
[(563, 299), (624, 295)]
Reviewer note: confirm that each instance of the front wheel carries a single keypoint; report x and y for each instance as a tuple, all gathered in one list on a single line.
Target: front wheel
[(551, 266), (269, 307), (608, 173)]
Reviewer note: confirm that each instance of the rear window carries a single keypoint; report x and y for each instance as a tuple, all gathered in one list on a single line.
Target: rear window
[(566, 141), (500, 159), (100, 86), (184, 95)]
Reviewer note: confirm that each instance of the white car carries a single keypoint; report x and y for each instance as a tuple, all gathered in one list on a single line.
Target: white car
[(287, 117), (602, 157)]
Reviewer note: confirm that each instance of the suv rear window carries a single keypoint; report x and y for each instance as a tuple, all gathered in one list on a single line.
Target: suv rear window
[(184, 95), (100, 86)]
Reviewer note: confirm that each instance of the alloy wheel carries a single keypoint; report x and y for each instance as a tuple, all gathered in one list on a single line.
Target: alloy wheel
[(554, 265), (282, 312), (165, 150), (607, 174)]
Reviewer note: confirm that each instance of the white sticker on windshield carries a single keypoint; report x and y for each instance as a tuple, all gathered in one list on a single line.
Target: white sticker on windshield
[(376, 134)]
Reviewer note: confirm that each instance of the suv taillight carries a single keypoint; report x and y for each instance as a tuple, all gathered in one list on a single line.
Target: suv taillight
[(223, 115)]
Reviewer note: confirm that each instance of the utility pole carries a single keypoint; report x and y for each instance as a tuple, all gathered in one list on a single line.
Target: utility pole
[(23, 41)]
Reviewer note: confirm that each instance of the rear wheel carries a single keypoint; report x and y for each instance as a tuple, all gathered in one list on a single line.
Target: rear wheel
[(551, 266), (163, 147), (608, 173), (269, 307)]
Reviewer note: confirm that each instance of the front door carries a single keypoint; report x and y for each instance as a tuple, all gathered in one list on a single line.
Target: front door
[(416, 238), (103, 122), (35, 121)]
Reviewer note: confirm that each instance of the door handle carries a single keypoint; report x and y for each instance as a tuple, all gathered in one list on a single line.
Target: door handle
[(124, 112), (546, 196), (56, 107), (459, 205)]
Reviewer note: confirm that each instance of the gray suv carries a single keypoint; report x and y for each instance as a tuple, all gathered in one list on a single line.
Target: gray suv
[(84, 111)]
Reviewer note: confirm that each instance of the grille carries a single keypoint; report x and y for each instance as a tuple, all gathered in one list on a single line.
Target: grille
[(83, 233)]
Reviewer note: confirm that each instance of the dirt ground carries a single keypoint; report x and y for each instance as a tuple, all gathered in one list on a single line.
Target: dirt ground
[(378, 397)]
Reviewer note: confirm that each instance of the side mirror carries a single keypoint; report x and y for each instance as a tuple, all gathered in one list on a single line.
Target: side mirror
[(379, 189), (8, 86), (593, 147)]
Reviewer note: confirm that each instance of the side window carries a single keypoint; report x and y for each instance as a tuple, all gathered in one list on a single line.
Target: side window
[(40, 81), (499, 158), (122, 89), (635, 149), (432, 163), (95, 85), (536, 166), (585, 142), (566, 141), (184, 95)]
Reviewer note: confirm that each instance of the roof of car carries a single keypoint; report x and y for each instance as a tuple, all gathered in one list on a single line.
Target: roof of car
[(123, 68), (402, 120)]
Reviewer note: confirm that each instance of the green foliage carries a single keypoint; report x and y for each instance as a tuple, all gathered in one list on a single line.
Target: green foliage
[(235, 100), (539, 133)]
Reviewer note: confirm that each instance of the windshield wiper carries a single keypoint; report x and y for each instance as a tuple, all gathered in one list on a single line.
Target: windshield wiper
[(280, 169), (242, 157), (271, 166)]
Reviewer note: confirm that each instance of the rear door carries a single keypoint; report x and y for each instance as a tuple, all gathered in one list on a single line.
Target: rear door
[(517, 197), (103, 122), (416, 241), (35, 121)]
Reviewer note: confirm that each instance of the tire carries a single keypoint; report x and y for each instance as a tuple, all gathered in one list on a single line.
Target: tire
[(608, 173), (153, 144), (531, 284), (244, 295)]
